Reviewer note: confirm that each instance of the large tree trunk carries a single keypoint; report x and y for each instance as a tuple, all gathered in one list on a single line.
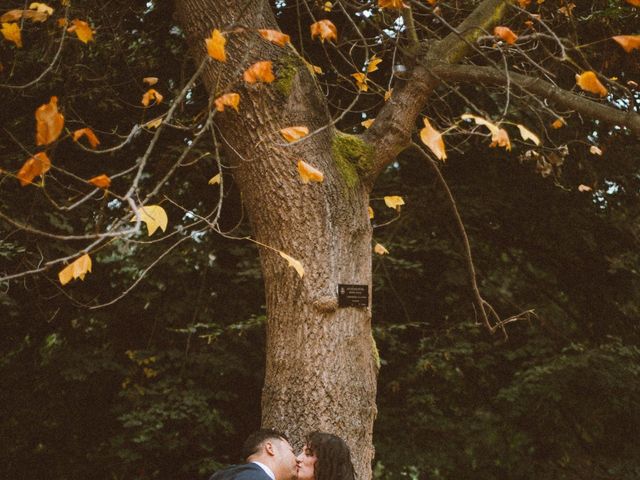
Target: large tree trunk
[(321, 363)]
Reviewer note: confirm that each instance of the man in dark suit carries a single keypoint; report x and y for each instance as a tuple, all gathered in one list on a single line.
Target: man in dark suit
[(268, 456)]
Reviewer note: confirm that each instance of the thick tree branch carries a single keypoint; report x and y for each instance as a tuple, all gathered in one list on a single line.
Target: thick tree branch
[(391, 132), (563, 98)]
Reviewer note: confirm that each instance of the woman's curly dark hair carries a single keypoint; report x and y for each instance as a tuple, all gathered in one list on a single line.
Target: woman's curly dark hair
[(333, 457)]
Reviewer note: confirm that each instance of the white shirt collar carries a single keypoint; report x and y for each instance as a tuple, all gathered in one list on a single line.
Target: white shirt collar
[(266, 469)]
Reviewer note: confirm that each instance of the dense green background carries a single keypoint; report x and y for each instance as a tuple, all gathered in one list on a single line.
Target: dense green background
[(166, 382)]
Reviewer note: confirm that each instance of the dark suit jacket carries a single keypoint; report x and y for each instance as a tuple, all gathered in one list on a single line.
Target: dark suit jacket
[(247, 471)]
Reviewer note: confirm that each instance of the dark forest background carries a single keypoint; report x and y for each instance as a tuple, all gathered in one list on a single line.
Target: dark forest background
[(166, 382)]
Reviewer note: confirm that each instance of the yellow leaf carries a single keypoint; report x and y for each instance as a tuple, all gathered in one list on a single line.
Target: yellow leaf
[(155, 123), (77, 269), (387, 94), (371, 215), (101, 181), (373, 64), (36, 166), (150, 95), (82, 30), (433, 139), (259, 72), (567, 10), (527, 134), (584, 188), (150, 80), (275, 36), (628, 42), (41, 8), (227, 100), (214, 180), (309, 173), (11, 32), (588, 81), (215, 46), (361, 81), (49, 122), (367, 123), (501, 139), (293, 263), (154, 216), (325, 30), (313, 69), (380, 250), (327, 6), (15, 15), (505, 34), (291, 134), (11, 16), (87, 132), (595, 150), (558, 123), (392, 4), (499, 136), (394, 202)]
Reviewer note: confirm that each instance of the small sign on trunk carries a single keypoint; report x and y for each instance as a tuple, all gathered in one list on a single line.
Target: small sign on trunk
[(353, 295)]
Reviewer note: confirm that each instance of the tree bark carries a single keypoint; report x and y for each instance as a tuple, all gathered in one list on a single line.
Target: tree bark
[(321, 365)]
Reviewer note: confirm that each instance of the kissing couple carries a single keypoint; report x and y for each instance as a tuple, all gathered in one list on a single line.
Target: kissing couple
[(269, 456)]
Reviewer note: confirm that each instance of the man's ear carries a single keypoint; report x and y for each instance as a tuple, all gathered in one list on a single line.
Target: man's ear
[(269, 448)]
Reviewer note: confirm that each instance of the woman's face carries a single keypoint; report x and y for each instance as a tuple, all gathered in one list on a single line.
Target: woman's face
[(306, 464)]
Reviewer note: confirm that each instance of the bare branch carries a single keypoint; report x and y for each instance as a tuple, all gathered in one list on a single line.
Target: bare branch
[(490, 76)]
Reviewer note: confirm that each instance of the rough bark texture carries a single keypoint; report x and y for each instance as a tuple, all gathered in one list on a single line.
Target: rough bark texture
[(321, 363)]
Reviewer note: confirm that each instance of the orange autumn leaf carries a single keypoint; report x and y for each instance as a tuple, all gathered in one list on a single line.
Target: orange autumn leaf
[(558, 123), (81, 29), (361, 81), (77, 269), (36, 166), (15, 15), (259, 72), (41, 8), (325, 30), (86, 132), (506, 34), (373, 64), (588, 81), (500, 139), (101, 181), (215, 46), (150, 95), (291, 134), (49, 122), (433, 139), (635, 3), (274, 36), (367, 123), (628, 42), (524, 3), (11, 33), (227, 100), (309, 173), (379, 249), (499, 136), (387, 94), (392, 4), (150, 80)]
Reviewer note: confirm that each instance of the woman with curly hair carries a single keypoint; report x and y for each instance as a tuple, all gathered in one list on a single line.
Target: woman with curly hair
[(325, 457)]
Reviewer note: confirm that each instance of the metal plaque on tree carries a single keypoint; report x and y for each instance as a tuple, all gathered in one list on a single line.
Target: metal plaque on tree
[(353, 295)]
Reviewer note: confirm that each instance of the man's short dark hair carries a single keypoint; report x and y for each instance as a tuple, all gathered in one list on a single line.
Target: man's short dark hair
[(257, 438)]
